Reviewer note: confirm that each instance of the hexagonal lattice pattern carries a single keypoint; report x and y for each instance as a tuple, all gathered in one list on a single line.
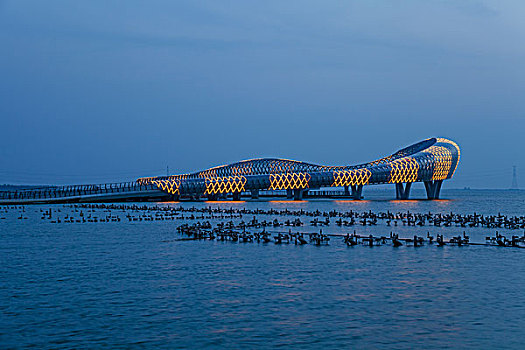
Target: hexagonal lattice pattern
[(455, 145), (228, 184), (149, 180), (429, 160), (404, 170), (266, 166), (351, 177), (381, 161), (289, 181), (442, 161), (240, 170), (170, 186)]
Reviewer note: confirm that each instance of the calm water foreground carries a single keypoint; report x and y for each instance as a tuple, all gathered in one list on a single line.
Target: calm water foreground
[(132, 285)]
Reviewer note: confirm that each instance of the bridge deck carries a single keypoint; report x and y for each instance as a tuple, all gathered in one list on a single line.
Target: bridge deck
[(125, 194), (112, 192)]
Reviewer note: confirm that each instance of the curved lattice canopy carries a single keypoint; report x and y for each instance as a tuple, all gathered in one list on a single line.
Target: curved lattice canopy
[(429, 160)]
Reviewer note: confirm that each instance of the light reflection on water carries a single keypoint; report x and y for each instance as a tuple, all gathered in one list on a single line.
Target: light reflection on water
[(131, 285)]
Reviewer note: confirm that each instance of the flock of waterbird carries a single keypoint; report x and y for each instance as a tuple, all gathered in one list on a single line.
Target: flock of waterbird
[(234, 226), (238, 233)]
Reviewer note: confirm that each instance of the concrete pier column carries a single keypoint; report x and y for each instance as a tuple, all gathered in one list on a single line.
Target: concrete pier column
[(289, 194), (433, 188), (255, 194), (298, 194), (357, 191), (347, 192), (236, 196), (408, 186), (403, 192), (438, 188), (429, 189)]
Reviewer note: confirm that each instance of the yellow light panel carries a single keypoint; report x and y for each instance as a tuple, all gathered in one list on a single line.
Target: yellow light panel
[(289, 181), (351, 177), (227, 184), (403, 170), (442, 161), (170, 186), (450, 142)]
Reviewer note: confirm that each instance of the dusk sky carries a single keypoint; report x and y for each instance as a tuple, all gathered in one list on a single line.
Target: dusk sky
[(107, 91)]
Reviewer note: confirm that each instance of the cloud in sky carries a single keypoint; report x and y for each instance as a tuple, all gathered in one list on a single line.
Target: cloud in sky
[(112, 90)]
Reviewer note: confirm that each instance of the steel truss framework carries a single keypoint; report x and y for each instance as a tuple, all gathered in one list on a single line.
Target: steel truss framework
[(430, 161)]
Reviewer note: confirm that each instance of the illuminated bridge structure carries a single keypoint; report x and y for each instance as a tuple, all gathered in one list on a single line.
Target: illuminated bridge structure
[(430, 161)]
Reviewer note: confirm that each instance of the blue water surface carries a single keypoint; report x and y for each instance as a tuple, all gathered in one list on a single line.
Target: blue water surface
[(133, 285)]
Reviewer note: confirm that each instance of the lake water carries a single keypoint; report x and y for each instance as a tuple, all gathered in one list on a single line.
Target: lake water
[(134, 285)]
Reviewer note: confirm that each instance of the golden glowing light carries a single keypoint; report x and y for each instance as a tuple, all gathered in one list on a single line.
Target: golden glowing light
[(381, 161), (420, 162), (170, 186), (227, 184), (351, 177), (289, 181), (442, 159), (404, 170), (450, 142)]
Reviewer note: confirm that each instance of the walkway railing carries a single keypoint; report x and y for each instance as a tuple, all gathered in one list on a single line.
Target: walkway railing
[(311, 193), (76, 190), (324, 193), (56, 192)]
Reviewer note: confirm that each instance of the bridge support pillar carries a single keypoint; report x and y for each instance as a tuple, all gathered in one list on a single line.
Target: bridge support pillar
[(175, 197), (347, 192), (433, 188), (357, 191), (255, 194), (298, 194), (403, 192), (213, 197), (289, 194), (236, 196)]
